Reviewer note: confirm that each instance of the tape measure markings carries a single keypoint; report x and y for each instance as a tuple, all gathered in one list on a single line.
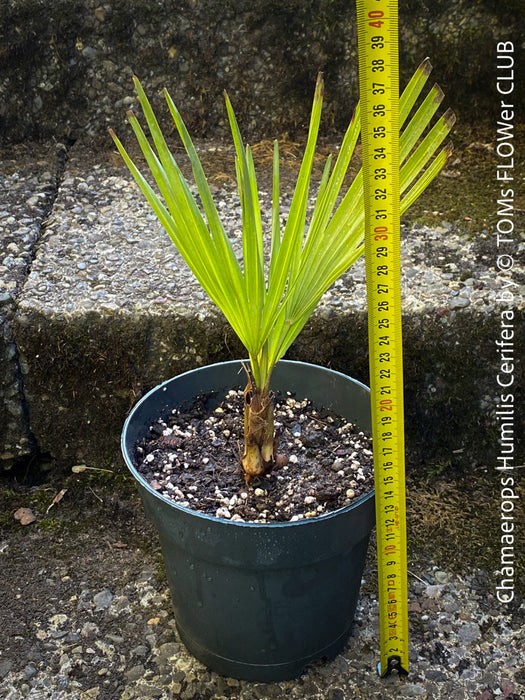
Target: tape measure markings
[(379, 94)]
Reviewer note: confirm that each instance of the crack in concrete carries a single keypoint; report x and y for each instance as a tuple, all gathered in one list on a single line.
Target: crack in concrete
[(63, 151)]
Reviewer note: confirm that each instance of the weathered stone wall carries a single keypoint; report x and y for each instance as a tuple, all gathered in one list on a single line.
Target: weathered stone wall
[(66, 65)]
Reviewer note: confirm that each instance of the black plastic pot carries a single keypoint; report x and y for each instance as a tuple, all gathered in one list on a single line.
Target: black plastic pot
[(259, 601)]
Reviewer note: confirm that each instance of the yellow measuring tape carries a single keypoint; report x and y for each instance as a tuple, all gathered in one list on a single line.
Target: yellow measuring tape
[(379, 94)]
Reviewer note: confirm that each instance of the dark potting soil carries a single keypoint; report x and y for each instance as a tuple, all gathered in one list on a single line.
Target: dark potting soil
[(192, 456)]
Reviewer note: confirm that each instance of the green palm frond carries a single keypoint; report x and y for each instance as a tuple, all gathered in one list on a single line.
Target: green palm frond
[(267, 305)]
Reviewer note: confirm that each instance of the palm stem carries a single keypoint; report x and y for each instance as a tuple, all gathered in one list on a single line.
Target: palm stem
[(259, 439)]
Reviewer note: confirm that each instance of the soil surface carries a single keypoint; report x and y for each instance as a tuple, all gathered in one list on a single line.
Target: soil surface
[(192, 456)]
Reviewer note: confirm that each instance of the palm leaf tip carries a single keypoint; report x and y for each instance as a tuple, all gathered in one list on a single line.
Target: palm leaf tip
[(449, 118), (425, 66), (439, 96)]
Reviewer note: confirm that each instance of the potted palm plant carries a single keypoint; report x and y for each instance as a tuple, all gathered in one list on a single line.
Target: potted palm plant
[(253, 600)]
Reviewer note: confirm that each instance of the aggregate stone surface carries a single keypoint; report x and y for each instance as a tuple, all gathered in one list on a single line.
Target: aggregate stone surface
[(86, 614), (67, 65), (28, 184), (104, 250)]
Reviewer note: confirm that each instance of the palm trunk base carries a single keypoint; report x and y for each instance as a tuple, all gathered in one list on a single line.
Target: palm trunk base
[(259, 447)]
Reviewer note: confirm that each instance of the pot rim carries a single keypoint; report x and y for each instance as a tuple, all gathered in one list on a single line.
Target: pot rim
[(212, 518)]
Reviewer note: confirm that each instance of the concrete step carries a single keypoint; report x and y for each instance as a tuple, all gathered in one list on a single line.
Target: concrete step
[(28, 185), (108, 310)]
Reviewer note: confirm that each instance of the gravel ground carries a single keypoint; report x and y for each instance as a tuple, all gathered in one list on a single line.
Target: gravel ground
[(86, 614)]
